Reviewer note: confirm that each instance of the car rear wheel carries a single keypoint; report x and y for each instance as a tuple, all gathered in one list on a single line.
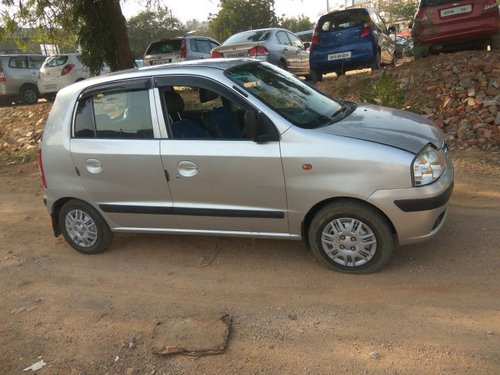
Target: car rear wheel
[(495, 42), (29, 94), (376, 62), (316, 76), (282, 65), (84, 228), (351, 237)]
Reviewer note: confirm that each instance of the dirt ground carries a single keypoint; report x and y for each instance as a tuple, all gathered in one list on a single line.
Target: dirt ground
[(434, 309)]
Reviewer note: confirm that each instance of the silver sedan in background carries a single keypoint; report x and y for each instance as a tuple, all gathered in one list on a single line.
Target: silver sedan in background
[(241, 148), (277, 46)]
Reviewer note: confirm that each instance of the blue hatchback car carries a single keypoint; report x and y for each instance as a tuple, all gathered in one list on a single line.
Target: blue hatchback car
[(350, 39)]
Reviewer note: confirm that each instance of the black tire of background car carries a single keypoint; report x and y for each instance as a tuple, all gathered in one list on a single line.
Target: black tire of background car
[(29, 94), (495, 42), (282, 65), (356, 210), (316, 76), (104, 234), (376, 62)]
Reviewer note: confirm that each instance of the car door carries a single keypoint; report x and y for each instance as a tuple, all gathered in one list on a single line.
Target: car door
[(289, 52), (115, 148), (19, 72), (384, 41), (302, 54), (35, 63), (219, 183)]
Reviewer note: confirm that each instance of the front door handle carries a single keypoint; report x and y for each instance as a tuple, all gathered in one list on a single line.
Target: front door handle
[(93, 165), (187, 168)]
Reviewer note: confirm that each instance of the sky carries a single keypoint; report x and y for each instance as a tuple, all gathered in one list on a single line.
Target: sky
[(199, 9)]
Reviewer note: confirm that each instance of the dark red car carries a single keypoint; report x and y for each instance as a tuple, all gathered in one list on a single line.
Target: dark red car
[(451, 24)]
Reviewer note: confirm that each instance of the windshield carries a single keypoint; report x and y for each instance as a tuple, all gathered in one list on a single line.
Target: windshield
[(297, 102), (248, 36), (164, 46)]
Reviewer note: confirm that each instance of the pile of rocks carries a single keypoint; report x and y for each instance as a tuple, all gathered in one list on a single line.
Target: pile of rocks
[(460, 92), (21, 127)]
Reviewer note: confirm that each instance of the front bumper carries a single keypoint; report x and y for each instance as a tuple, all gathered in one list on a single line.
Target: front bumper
[(417, 213)]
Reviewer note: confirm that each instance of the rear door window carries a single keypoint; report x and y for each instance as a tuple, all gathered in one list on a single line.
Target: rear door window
[(35, 62), (282, 38), (201, 45), (18, 62), (123, 114)]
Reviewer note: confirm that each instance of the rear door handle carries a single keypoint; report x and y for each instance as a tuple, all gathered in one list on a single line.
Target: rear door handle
[(187, 168)]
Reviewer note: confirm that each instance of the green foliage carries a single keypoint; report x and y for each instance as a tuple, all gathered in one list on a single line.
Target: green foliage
[(296, 24), (384, 91), (98, 25), (398, 9), (152, 25), (29, 24), (241, 15)]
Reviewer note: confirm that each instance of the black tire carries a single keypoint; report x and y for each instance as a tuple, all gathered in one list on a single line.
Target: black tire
[(282, 65), (29, 94), (495, 42), (420, 51), (84, 228), (346, 246), (376, 62), (50, 97), (316, 76)]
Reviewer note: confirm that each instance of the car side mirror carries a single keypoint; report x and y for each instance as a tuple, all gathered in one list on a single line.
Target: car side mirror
[(259, 128), (307, 45)]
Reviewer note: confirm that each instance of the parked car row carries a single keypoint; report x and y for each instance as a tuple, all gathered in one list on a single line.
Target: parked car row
[(28, 77), (353, 38)]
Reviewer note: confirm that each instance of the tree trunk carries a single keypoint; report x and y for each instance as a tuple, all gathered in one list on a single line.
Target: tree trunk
[(123, 53)]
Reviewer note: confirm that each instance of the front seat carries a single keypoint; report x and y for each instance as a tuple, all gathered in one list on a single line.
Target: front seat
[(182, 128)]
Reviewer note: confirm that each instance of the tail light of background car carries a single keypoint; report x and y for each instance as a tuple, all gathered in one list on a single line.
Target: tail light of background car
[(258, 51), (215, 55), (489, 4), (367, 28), (67, 69), (2, 75), (315, 38), (40, 169), (183, 49), (422, 15)]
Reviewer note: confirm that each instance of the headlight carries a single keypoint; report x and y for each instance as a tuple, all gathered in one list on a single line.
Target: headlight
[(428, 166)]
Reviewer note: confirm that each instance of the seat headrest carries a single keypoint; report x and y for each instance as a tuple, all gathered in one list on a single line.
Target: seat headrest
[(207, 95), (174, 102)]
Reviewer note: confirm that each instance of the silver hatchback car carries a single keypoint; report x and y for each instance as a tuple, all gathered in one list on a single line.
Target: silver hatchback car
[(241, 148)]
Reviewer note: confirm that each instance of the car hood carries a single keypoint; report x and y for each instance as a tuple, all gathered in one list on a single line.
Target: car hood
[(392, 127)]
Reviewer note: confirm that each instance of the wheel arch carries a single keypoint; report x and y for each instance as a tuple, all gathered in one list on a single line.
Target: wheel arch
[(54, 214), (318, 206), (28, 84)]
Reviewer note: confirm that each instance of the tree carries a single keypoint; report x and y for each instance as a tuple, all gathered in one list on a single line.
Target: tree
[(99, 25), (240, 15), (152, 25), (296, 24), (397, 10)]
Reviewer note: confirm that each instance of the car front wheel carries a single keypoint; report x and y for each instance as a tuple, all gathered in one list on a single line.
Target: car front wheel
[(84, 228), (351, 237)]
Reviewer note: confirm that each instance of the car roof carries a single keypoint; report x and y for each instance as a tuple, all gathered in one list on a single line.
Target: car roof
[(196, 66)]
